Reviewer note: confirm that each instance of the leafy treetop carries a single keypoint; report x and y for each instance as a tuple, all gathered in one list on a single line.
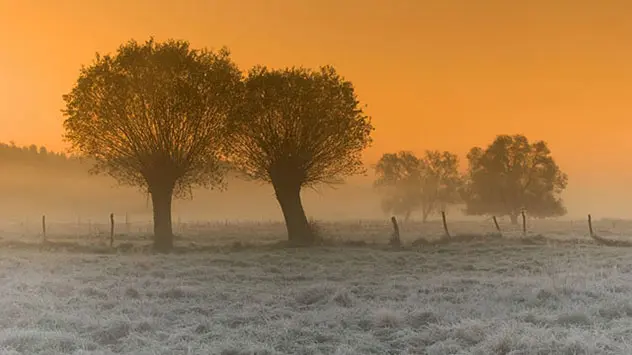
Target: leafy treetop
[(154, 113)]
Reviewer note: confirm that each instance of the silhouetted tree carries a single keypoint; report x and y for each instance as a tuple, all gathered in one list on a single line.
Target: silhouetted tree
[(441, 182), (297, 128), (399, 182), (511, 175), (153, 116), (408, 183)]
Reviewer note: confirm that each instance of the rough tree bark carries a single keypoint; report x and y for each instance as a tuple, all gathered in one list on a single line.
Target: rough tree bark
[(298, 230), (161, 198)]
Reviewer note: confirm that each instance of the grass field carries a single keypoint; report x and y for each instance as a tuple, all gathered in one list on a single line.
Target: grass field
[(496, 297)]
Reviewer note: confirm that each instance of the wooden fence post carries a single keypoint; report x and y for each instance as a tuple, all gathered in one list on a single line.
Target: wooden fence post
[(524, 223), (445, 224), (78, 227), (590, 226), (111, 229), (44, 227), (497, 225), (395, 238)]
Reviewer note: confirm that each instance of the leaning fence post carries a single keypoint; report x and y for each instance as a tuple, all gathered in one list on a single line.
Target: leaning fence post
[(590, 226), (497, 225), (111, 229), (445, 224), (395, 239)]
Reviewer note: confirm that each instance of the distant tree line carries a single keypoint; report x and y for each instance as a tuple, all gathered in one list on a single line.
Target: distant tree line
[(11, 153), (511, 175)]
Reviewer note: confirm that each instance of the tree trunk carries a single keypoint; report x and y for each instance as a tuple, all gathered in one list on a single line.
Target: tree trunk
[(298, 230), (163, 233), (514, 218)]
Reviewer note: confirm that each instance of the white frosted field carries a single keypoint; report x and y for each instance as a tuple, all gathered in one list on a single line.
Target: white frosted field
[(493, 297)]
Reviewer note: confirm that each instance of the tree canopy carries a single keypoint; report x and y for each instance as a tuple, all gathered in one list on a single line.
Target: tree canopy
[(298, 127), (153, 115), (408, 183), (399, 182), (512, 174)]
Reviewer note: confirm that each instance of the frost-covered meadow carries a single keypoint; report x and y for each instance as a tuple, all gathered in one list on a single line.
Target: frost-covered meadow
[(493, 297)]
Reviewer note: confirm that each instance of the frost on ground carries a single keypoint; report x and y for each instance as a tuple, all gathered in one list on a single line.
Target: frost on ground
[(454, 299)]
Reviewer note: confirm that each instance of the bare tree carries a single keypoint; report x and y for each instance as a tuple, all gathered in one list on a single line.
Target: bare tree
[(296, 128), (153, 116)]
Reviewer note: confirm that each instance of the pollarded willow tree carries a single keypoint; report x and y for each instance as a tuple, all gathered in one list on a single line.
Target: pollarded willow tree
[(298, 128), (154, 116)]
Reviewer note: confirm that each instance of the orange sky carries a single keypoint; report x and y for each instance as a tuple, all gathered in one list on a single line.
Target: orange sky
[(435, 74)]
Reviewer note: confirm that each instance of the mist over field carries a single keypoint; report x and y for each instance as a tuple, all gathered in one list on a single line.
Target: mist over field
[(64, 190), (69, 192)]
